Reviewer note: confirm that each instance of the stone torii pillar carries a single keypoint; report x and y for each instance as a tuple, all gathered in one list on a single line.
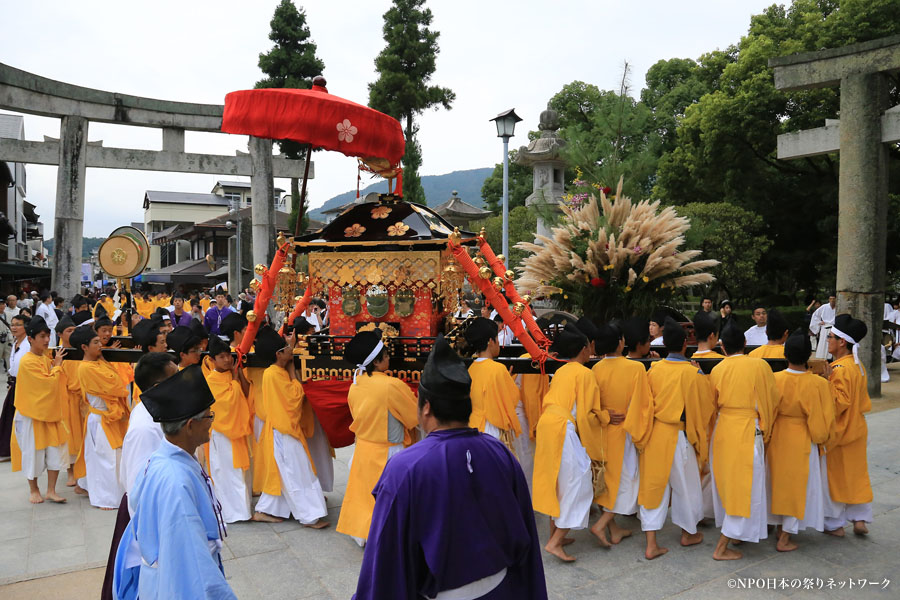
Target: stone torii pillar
[(860, 71)]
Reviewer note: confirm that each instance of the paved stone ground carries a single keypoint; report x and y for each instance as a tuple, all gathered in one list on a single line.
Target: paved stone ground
[(52, 551)]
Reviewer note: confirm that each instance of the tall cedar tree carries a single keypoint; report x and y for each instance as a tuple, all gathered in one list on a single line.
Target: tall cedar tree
[(405, 67), (291, 63)]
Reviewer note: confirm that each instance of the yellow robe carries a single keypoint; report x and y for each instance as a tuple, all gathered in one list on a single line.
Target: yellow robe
[(371, 398), (532, 390), (573, 384), (848, 469), (204, 304), (257, 409), (75, 410), (494, 397), (746, 394), (100, 378), (768, 351), (41, 396), (144, 308), (284, 404), (677, 389), (622, 382), (803, 417), (232, 415)]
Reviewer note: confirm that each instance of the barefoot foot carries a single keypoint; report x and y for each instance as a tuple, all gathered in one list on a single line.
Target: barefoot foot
[(54, 497), (80, 490), (617, 534), (71, 482), (688, 539), (727, 554), (651, 553), (600, 534), (105, 508), (859, 528), (559, 553), (264, 518), (786, 545), (35, 498), (320, 524), (835, 532)]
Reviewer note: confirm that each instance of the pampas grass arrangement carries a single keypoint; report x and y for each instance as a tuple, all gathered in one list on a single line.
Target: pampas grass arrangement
[(612, 258)]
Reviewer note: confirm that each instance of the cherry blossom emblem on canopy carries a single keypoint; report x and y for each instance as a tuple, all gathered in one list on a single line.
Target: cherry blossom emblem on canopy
[(346, 131)]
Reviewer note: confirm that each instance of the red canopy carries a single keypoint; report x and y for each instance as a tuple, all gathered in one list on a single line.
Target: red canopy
[(314, 117)]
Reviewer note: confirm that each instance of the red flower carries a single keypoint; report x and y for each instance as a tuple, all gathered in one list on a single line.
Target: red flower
[(607, 190), (598, 282)]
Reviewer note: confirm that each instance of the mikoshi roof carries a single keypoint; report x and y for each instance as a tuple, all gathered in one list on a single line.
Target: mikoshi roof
[(388, 220)]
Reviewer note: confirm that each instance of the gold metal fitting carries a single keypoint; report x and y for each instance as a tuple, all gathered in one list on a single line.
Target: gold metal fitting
[(260, 269), (498, 283), (510, 275), (526, 299), (518, 308), (485, 272), (251, 316), (501, 258)]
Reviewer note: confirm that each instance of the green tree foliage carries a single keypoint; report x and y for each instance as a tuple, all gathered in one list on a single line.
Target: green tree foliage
[(724, 149), (402, 90), (522, 225), (521, 184), (735, 238), (291, 63)]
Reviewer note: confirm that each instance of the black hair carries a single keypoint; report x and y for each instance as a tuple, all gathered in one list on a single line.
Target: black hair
[(24, 318), (151, 369), (370, 368), (673, 339), (228, 298), (302, 326), (797, 354), (194, 302), (151, 340), (445, 409)]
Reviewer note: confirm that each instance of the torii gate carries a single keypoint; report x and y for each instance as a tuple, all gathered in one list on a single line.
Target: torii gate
[(77, 106), (861, 136)]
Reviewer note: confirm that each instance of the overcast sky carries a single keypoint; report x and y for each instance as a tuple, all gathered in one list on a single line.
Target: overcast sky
[(494, 55)]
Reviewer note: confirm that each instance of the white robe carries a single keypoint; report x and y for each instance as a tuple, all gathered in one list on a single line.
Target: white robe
[(820, 324), (142, 439), (754, 527), (35, 462), (574, 486), (233, 486), (629, 481), (320, 451), (16, 356), (839, 514), (46, 311), (301, 493), (684, 489), (101, 461)]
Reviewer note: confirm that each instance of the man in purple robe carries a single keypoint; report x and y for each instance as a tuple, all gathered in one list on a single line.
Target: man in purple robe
[(452, 512)]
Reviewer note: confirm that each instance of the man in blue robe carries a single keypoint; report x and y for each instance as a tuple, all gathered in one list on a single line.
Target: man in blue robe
[(452, 512), (170, 549)]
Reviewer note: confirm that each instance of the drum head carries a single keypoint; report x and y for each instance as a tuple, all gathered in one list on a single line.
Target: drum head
[(120, 257)]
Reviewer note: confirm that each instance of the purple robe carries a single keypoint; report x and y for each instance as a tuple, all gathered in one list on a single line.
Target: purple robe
[(184, 319), (449, 510), (214, 317)]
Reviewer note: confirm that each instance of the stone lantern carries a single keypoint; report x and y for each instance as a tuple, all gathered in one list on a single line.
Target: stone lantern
[(543, 155)]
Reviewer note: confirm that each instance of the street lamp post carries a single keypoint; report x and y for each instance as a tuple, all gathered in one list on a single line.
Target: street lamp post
[(506, 126)]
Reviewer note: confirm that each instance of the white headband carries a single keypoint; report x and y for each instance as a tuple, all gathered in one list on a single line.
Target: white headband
[(360, 368), (837, 332)]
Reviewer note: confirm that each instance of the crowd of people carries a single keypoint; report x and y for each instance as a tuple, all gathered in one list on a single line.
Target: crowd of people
[(182, 441)]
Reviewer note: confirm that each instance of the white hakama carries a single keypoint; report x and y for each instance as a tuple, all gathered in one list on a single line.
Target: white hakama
[(754, 527), (814, 514), (101, 461), (320, 451), (709, 512), (574, 486), (629, 481), (523, 446), (684, 489), (35, 462), (301, 492), (232, 485), (840, 514)]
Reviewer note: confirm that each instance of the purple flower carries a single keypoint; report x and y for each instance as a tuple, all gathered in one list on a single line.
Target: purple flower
[(637, 250)]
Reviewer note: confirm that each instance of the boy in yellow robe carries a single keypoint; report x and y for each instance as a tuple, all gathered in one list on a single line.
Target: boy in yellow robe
[(494, 392), (291, 486), (385, 413), (670, 431), (569, 437), (622, 382), (776, 333), (746, 398), (229, 453), (849, 492), (106, 394), (185, 345), (38, 440), (803, 420), (707, 335), (73, 416)]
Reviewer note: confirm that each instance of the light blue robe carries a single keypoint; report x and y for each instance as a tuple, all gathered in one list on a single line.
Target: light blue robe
[(178, 529)]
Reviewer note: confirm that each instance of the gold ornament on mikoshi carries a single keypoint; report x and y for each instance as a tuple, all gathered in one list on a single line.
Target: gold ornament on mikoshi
[(501, 258), (526, 299), (518, 308), (510, 275), (285, 288), (485, 272), (478, 261), (254, 284), (498, 284), (260, 269), (251, 316)]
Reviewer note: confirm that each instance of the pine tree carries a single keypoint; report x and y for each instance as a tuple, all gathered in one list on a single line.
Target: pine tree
[(405, 67), (291, 63)]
